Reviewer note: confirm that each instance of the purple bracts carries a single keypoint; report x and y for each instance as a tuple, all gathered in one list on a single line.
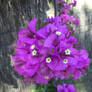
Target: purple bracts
[(49, 52), (66, 88)]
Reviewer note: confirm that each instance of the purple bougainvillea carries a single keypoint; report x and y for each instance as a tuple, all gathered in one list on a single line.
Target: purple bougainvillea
[(66, 88), (51, 52)]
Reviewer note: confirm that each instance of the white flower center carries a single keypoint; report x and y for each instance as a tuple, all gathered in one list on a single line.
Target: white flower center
[(67, 52), (65, 61), (46, 77), (48, 60), (58, 33), (34, 52), (32, 47)]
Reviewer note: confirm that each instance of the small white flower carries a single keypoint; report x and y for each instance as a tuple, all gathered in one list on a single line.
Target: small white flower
[(58, 33), (32, 47), (65, 61), (34, 52), (48, 60), (67, 52), (46, 77)]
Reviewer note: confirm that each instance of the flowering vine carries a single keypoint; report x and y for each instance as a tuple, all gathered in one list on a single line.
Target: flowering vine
[(52, 51)]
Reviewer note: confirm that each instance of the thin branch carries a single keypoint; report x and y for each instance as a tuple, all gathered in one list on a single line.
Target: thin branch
[(55, 12)]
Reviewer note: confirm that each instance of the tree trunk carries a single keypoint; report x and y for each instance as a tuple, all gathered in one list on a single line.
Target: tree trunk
[(15, 15)]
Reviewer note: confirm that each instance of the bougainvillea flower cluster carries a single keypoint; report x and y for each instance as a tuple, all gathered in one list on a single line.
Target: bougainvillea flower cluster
[(66, 88), (51, 51)]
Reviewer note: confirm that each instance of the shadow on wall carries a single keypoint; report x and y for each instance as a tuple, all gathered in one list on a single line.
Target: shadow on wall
[(84, 35), (84, 12), (88, 44)]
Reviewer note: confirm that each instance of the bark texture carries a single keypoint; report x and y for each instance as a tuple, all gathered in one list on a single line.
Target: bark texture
[(15, 15)]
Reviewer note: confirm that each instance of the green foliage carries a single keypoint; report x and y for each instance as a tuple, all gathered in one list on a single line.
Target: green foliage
[(52, 85), (70, 27), (44, 24)]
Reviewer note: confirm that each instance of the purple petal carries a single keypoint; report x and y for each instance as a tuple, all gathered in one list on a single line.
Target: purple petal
[(50, 40), (32, 25), (59, 88), (71, 88), (57, 65)]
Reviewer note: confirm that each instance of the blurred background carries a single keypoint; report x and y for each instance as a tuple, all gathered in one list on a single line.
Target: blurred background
[(15, 15)]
